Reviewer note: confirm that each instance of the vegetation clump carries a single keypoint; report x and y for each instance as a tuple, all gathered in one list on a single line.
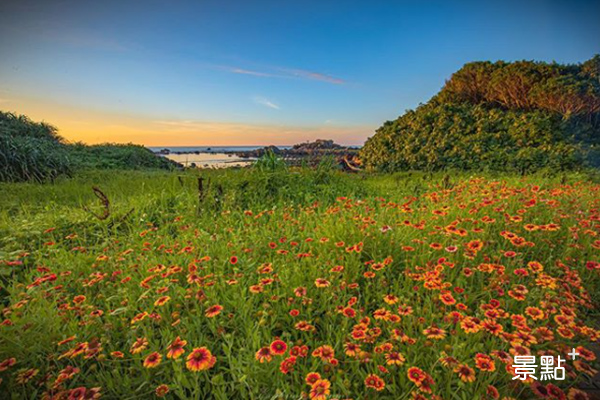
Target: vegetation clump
[(34, 151), (521, 116), (117, 156), (30, 151)]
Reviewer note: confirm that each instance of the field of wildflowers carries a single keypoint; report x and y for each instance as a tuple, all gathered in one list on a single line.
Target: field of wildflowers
[(290, 284)]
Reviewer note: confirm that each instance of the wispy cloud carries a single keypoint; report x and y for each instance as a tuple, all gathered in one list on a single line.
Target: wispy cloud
[(178, 123), (265, 102), (286, 73), (300, 73), (253, 73)]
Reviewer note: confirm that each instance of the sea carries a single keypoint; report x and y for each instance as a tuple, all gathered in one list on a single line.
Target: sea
[(210, 149), (209, 156)]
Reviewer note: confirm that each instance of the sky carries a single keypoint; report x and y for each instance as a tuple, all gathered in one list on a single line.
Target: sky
[(194, 73)]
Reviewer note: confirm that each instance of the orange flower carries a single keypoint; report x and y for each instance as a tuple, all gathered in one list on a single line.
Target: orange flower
[(26, 375), (405, 310), (139, 345), (6, 364), (381, 313), (84, 393), (287, 365), (447, 299), (395, 358), (299, 351), (416, 375), (161, 301), (535, 266), (139, 317), (176, 348), (67, 340), (375, 382), (200, 359), (586, 354), (153, 360), (433, 332), (257, 289), (278, 347), (492, 392), (320, 390), (349, 312), (321, 283), (351, 349), (213, 311), (565, 332), (475, 245), (312, 377), (304, 326), (263, 355), (325, 353), (161, 390), (492, 327), (576, 394), (535, 313), (466, 373), (484, 363)]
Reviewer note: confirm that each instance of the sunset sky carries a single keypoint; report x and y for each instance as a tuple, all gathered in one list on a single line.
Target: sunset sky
[(260, 72)]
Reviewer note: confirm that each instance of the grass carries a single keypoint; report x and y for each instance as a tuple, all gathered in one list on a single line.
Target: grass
[(83, 283), (35, 152)]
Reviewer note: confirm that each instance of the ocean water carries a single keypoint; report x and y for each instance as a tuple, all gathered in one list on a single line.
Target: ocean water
[(210, 160), (208, 156), (210, 149)]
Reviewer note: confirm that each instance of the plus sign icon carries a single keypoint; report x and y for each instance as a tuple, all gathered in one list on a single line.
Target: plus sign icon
[(573, 354)]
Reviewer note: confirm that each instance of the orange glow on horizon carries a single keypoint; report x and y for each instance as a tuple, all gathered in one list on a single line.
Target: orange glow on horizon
[(92, 127)]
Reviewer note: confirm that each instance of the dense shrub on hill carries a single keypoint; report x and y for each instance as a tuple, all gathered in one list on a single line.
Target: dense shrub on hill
[(30, 150), (527, 85), (521, 116), (34, 151), (116, 156)]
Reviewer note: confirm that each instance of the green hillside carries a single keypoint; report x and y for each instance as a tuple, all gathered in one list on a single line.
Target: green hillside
[(34, 151), (522, 116)]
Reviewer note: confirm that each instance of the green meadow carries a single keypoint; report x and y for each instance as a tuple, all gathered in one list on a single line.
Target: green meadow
[(276, 282)]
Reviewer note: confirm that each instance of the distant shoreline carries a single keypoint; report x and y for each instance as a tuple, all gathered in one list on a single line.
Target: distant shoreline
[(219, 149), (208, 149), (224, 156)]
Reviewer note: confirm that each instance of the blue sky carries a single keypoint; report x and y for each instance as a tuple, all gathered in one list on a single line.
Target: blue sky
[(258, 72)]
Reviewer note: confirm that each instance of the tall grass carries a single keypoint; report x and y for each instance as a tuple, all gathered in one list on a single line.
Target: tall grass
[(32, 159), (30, 151)]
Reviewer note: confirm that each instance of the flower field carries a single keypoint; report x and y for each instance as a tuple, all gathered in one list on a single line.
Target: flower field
[(398, 290)]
